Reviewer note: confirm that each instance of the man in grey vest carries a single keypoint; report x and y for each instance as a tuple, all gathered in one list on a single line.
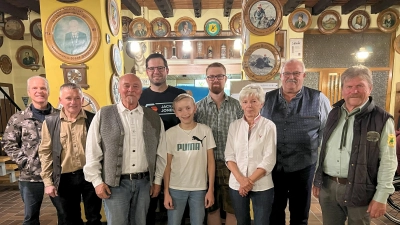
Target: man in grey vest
[(126, 155), (62, 155), (358, 155), (299, 114)]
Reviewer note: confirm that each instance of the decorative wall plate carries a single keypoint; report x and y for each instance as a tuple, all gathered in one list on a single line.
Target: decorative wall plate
[(107, 38), (300, 20), (388, 20), (116, 60), (359, 21), (329, 22), (212, 27), (14, 28), (125, 21), (5, 64), (36, 29), (113, 16), (261, 61), (235, 24), (115, 96), (44, 66), (72, 35), (139, 27), (160, 27), (1, 41), (185, 26), (262, 17), (120, 45), (26, 56)]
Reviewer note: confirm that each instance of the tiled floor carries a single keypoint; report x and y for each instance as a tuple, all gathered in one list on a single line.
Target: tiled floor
[(11, 209)]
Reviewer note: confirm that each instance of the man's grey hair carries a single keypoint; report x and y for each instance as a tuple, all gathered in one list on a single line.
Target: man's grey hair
[(46, 82), (357, 71), (71, 86), (293, 61), (252, 90)]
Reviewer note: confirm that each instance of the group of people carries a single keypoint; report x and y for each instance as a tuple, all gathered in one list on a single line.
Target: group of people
[(214, 155)]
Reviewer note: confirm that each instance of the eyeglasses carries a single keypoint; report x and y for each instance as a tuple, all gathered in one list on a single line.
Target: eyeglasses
[(295, 74), (159, 68), (219, 77)]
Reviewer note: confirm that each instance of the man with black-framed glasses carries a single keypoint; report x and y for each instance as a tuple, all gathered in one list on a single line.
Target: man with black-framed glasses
[(299, 114), (159, 97), (217, 110)]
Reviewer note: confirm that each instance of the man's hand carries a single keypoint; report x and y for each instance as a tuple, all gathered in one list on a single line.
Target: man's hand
[(376, 209), (155, 190), (103, 191), (315, 191), (209, 199), (51, 191)]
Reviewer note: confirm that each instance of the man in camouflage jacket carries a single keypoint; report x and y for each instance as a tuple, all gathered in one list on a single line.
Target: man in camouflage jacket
[(21, 142)]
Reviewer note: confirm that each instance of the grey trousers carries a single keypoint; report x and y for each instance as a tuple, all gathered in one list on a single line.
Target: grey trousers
[(333, 213)]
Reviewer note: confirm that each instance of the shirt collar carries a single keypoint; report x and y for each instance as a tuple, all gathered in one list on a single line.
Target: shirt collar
[(355, 110), (210, 100), (281, 90), (81, 114), (121, 108)]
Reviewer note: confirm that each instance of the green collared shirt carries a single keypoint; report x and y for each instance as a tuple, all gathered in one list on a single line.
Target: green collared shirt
[(338, 151)]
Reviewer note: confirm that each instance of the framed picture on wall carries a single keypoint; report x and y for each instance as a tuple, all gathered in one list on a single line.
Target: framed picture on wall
[(359, 21), (185, 26), (329, 22), (36, 29), (261, 61), (262, 17), (72, 35), (160, 27), (212, 27), (388, 20), (13, 28), (300, 20), (139, 28), (235, 24), (26, 56), (125, 27)]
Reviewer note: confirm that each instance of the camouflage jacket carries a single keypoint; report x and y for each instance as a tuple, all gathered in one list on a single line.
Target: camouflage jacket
[(21, 141)]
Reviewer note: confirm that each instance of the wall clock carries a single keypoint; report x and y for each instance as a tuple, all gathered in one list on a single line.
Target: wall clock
[(75, 74), (5, 64), (115, 96), (116, 60), (212, 27)]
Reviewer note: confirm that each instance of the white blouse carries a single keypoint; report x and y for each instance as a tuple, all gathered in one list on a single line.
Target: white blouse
[(251, 152)]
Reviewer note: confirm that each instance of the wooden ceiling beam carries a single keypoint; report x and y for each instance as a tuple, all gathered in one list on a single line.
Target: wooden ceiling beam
[(165, 8), (290, 6), (21, 13), (133, 6), (197, 8), (227, 7), (321, 6), (382, 5), (352, 5)]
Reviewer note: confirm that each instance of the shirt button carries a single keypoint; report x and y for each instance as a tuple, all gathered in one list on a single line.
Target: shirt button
[(133, 165), (134, 151)]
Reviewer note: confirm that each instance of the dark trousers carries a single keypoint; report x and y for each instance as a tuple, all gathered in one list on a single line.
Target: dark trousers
[(73, 187), (32, 196), (295, 186), (262, 204)]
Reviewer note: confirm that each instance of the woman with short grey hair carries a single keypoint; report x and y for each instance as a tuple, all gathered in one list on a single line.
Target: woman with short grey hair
[(250, 155)]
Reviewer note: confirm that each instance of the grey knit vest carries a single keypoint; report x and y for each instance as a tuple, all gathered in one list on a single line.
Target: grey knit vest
[(112, 140)]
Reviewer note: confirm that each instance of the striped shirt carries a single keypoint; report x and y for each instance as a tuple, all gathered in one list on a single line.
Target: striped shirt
[(218, 120)]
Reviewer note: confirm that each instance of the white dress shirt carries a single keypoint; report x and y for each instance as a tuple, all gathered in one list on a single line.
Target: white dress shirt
[(134, 160), (249, 152)]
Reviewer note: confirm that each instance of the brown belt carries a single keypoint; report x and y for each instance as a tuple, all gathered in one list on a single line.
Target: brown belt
[(338, 179)]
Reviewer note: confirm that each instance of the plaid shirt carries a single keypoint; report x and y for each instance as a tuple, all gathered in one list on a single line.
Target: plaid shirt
[(219, 120)]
